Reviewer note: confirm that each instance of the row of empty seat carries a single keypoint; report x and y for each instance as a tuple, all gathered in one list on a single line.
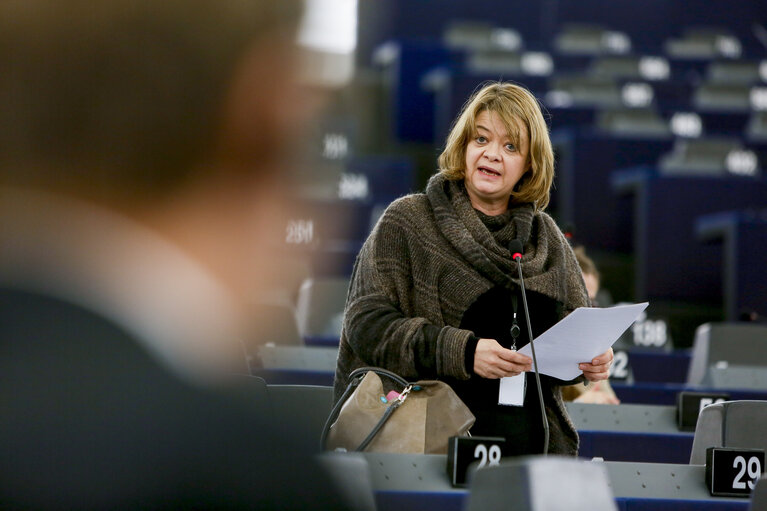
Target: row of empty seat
[(378, 476), (727, 357)]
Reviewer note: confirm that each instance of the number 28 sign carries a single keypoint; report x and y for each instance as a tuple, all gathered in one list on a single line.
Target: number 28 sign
[(462, 452)]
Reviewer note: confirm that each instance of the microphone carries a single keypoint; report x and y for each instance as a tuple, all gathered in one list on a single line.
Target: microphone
[(515, 247)]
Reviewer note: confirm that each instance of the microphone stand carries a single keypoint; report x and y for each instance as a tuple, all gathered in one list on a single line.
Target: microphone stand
[(517, 257)]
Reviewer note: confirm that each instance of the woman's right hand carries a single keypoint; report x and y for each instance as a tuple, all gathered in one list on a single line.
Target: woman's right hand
[(492, 361)]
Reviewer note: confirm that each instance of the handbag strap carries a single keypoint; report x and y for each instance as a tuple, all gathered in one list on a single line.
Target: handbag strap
[(385, 417), (381, 372), (355, 378)]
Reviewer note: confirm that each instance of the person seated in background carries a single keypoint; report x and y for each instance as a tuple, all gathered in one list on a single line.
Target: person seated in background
[(434, 288), (142, 170), (599, 392)]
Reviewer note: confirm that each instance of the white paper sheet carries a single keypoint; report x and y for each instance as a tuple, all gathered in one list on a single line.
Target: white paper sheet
[(582, 335)]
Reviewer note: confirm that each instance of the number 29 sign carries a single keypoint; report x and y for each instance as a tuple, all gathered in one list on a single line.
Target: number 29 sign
[(733, 472)]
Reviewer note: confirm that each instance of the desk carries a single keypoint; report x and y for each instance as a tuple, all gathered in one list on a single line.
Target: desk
[(296, 365), (670, 263), (586, 159), (327, 341), (630, 432), (660, 367), (412, 106), (295, 376), (328, 233), (743, 235), (611, 432), (713, 123), (647, 366), (405, 482), (636, 447), (650, 393), (388, 177), (665, 393)]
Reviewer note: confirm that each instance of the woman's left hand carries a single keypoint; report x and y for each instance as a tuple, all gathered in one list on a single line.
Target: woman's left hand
[(599, 368)]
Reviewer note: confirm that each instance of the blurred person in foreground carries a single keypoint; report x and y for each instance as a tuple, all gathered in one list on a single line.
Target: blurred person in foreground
[(434, 288), (599, 392), (142, 164)]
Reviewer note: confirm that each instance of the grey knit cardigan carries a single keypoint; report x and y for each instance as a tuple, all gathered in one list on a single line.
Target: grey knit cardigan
[(426, 261)]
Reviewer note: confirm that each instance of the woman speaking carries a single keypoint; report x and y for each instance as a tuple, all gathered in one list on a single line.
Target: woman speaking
[(434, 292)]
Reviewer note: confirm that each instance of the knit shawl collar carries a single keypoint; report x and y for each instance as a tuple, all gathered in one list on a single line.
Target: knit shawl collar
[(546, 267)]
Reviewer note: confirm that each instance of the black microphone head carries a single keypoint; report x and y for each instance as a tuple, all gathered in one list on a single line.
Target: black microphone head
[(515, 247)]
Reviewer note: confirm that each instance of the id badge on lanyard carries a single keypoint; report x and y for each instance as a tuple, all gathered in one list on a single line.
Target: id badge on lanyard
[(512, 388)]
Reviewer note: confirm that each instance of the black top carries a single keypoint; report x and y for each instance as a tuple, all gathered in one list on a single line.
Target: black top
[(491, 316), (91, 420)]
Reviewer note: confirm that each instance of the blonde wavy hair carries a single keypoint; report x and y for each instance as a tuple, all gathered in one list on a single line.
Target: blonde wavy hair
[(513, 104)]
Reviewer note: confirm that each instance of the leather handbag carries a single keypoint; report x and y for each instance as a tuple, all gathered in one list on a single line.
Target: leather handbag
[(419, 418)]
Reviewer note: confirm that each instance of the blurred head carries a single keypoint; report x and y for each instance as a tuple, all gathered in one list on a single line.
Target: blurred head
[(175, 113), (131, 99), (517, 116), (589, 271)]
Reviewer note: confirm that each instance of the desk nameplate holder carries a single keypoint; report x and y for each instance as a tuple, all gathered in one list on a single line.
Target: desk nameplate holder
[(733, 471), (689, 405), (463, 451)]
